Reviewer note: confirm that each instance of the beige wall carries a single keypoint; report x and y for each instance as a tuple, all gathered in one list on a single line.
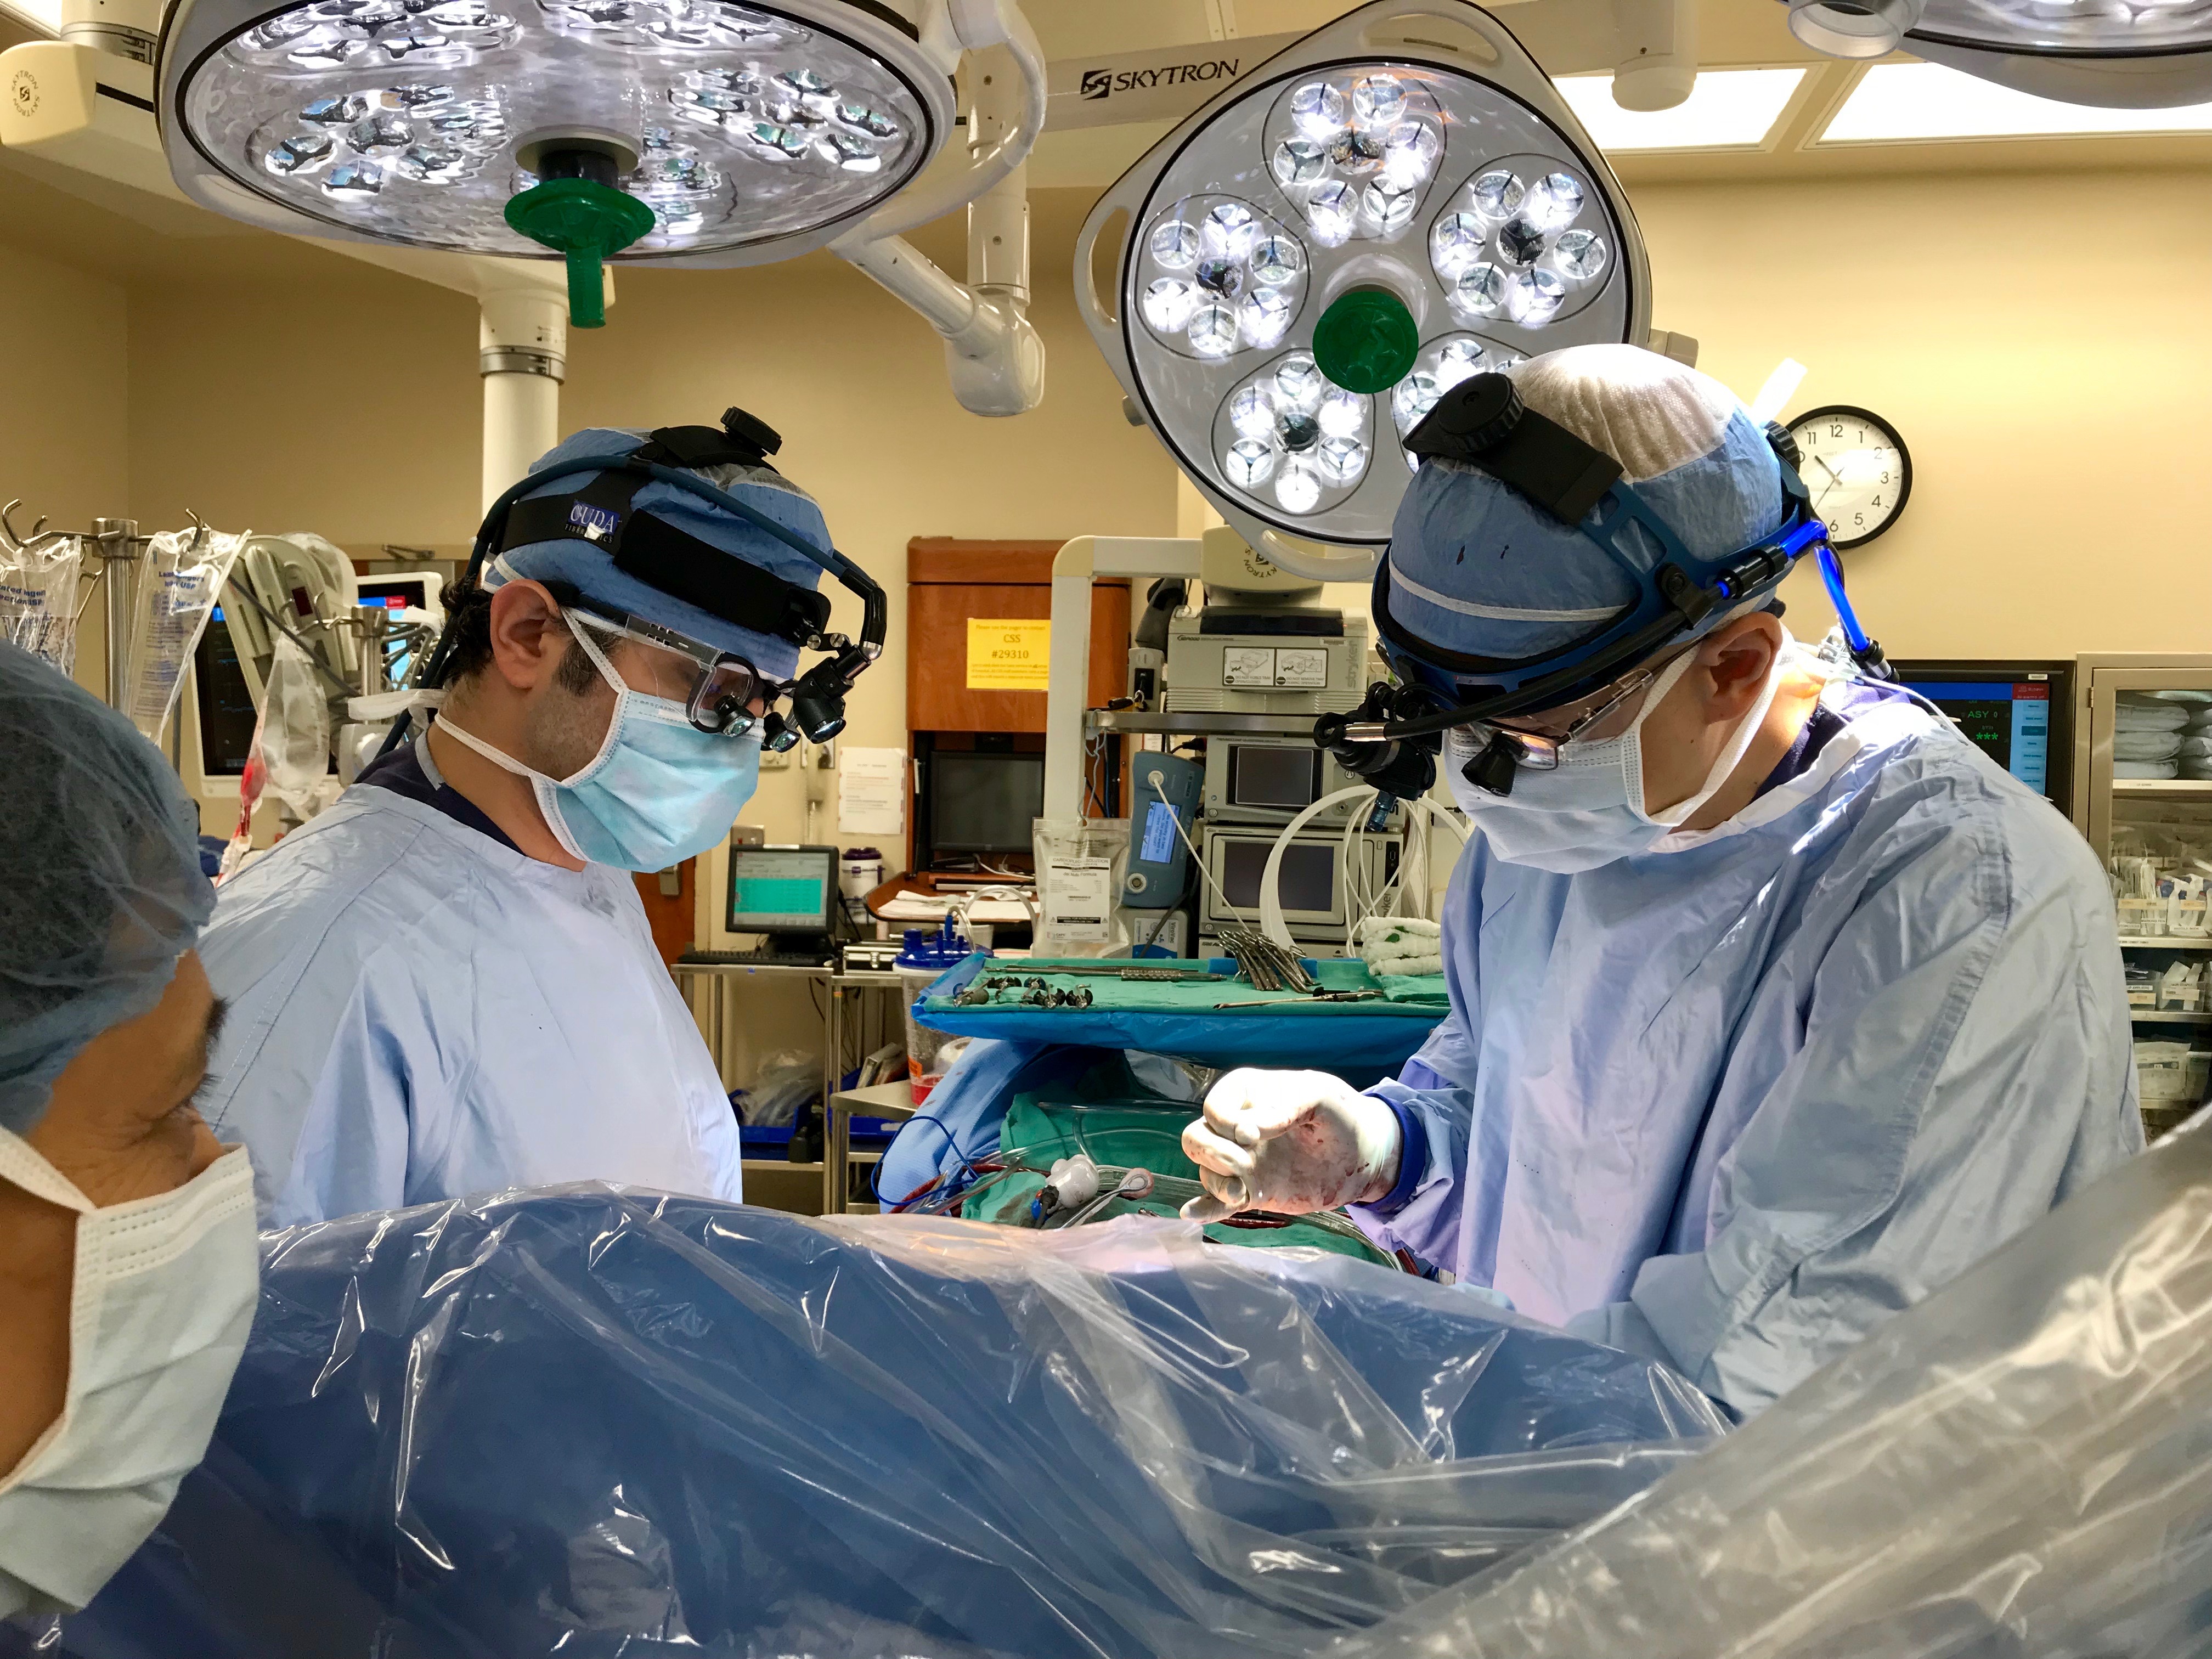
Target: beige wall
[(64, 421), (2044, 345), (2042, 342)]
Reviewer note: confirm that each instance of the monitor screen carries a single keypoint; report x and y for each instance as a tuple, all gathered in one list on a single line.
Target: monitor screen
[(224, 705), (984, 803), (1272, 774), (781, 889), (394, 593), (1307, 880), (2008, 720)]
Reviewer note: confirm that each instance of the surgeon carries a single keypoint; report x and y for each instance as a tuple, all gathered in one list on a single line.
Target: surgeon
[(446, 984), (128, 1264), (1775, 1003)]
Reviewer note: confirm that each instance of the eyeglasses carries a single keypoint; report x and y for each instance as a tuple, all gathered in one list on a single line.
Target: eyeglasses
[(718, 689), (1539, 751)]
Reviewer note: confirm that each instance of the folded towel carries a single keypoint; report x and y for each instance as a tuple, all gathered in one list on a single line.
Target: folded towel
[(2146, 745), (2149, 770), (2149, 717)]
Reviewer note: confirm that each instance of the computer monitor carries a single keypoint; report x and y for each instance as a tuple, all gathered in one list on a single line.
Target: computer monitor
[(782, 889), (2021, 714), (1311, 882), (981, 801), (223, 701)]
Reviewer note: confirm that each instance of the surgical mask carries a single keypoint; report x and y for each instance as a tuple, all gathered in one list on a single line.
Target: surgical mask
[(659, 790), (1589, 811), (162, 1296)]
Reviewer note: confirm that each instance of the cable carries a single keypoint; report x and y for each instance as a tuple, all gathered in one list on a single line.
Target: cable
[(1176, 818)]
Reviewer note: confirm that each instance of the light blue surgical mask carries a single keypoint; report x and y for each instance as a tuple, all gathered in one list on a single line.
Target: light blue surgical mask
[(659, 790), (1589, 811)]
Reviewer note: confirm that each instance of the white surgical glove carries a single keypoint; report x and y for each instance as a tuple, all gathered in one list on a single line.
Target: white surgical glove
[(1289, 1143)]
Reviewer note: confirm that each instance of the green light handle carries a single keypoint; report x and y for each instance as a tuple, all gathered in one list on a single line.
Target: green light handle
[(587, 289)]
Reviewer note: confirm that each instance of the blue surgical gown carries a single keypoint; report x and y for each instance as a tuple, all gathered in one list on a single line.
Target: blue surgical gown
[(1731, 1102), (418, 1012)]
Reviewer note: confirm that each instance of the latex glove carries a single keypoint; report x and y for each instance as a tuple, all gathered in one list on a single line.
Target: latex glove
[(1289, 1143)]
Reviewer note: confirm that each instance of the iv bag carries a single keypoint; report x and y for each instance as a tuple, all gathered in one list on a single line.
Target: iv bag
[(182, 576), (38, 599)]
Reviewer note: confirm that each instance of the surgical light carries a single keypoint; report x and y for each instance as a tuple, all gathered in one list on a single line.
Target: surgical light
[(2117, 54), (1398, 201), (687, 132)]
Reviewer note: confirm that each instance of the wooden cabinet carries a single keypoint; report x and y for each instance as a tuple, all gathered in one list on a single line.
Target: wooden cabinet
[(950, 582)]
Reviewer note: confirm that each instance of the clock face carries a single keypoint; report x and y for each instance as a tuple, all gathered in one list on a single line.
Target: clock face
[(1855, 469)]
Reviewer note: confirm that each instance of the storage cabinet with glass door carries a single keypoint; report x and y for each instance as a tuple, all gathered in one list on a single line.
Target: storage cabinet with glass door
[(2143, 794)]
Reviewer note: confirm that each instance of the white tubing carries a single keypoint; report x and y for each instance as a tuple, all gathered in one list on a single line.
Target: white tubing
[(1271, 899)]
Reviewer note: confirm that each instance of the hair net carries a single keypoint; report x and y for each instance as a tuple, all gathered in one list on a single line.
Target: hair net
[(593, 568), (104, 891), (1476, 567)]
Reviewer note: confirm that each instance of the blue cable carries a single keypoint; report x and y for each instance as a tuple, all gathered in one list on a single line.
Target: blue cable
[(1832, 576), (967, 1160)]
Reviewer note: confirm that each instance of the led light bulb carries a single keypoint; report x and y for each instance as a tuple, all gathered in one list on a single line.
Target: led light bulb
[(1252, 412), (1496, 195), (1332, 211), (1296, 488), (1390, 204), (1219, 275), (1409, 153), (1296, 430), (1276, 260), (1520, 242), (1553, 201), (1480, 290), (853, 155), (1342, 460), (1248, 463), (1533, 297), (1412, 398), (1174, 245), (1455, 242), (1340, 414), (353, 181), (1213, 330), (1299, 161), (1264, 315), (1579, 254), (1318, 108), (1230, 230), (432, 166), (1299, 383), (1378, 101), (1458, 361), (1169, 303), (299, 154)]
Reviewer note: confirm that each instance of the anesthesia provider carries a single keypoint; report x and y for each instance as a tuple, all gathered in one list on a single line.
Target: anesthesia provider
[(446, 984), (1775, 1003), (130, 1268)]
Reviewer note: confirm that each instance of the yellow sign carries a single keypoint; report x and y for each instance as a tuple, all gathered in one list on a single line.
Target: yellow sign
[(1008, 654)]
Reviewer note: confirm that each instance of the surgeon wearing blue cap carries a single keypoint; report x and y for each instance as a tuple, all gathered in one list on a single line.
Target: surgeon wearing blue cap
[(446, 984), (1775, 1004)]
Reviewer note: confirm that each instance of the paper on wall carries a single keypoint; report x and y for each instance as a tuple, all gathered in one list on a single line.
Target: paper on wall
[(871, 791)]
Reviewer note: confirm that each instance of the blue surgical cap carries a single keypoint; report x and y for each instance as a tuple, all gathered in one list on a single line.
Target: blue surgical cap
[(103, 891), (1476, 567), (592, 569)]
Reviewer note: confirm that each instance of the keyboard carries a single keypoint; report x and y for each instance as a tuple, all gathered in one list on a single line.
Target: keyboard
[(755, 959)]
